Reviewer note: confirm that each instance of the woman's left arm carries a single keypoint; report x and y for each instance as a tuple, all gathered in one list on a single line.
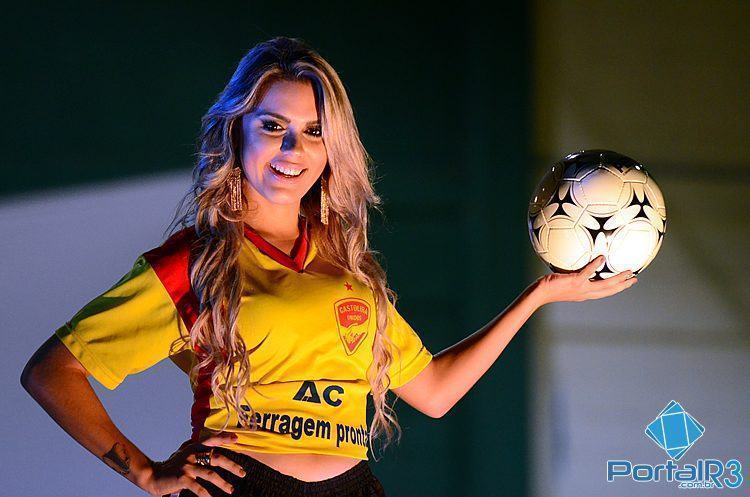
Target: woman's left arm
[(453, 371)]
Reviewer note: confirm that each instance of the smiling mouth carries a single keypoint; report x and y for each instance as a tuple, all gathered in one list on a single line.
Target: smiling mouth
[(286, 172)]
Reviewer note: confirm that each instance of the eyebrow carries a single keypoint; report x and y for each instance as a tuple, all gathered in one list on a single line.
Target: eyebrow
[(264, 112)]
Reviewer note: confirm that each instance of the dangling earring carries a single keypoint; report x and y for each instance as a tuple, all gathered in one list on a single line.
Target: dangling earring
[(235, 190), (323, 201)]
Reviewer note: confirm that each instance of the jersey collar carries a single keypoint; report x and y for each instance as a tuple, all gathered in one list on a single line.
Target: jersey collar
[(302, 251)]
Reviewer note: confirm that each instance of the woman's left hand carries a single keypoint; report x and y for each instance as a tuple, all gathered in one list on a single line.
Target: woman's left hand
[(577, 287)]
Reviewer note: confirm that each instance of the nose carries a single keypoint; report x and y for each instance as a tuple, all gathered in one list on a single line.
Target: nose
[(292, 143)]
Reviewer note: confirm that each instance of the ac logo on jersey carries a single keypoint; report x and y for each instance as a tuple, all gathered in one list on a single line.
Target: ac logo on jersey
[(352, 318), (308, 392)]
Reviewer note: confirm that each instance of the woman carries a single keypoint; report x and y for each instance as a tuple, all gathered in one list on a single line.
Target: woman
[(269, 297)]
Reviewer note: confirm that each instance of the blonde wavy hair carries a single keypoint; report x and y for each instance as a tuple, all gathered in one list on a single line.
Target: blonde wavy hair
[(215, 275)]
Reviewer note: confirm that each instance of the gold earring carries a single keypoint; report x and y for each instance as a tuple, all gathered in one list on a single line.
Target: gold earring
[(323, 201), (235, 189)]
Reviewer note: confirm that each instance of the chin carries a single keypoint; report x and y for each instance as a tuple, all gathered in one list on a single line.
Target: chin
[(284, 198)]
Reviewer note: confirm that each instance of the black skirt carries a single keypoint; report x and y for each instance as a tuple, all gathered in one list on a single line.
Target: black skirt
[(263, 481)]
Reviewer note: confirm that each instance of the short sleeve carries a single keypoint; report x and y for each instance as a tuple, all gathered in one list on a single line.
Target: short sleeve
[(412, 356), (127, 329)]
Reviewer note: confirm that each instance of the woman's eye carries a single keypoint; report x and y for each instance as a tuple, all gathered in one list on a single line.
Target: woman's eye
[(271, 126)]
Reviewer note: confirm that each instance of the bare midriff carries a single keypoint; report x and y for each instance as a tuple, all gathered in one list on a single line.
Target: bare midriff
[(305, 467)]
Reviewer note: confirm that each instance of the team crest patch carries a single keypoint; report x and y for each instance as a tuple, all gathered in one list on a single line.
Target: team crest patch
[(352, 318)]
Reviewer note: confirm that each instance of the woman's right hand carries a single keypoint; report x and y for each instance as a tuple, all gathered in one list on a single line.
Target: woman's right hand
[(181, 469)]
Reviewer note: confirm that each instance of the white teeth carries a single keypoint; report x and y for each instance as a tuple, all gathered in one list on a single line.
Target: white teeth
[(287, 170)]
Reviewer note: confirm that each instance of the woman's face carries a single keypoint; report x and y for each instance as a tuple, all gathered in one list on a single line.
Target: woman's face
[(283, 132)]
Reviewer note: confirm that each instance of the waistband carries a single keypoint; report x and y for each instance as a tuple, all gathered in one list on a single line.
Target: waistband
[(267, 477)]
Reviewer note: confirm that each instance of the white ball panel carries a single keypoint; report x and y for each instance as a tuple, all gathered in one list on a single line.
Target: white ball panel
[(633, 175), (568, 244), (654, 217), (656, 198), (653, 254), (601, 191), (632, 245)]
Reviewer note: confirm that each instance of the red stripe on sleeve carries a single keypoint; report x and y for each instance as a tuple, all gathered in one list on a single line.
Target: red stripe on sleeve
[(171, 263)]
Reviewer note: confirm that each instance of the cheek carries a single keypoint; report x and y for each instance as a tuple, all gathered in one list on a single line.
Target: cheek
[(258, 149), (319, 155)]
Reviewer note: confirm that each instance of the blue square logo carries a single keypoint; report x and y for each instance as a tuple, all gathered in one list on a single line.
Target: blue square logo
[(674, 430)]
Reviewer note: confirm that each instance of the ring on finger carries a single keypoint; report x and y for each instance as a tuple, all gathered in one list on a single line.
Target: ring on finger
[(204, 458)]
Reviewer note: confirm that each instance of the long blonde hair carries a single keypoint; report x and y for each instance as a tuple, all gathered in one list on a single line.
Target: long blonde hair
[(215, 276)]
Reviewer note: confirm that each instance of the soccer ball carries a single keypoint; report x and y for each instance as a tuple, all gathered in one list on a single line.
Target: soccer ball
[(597, 202)]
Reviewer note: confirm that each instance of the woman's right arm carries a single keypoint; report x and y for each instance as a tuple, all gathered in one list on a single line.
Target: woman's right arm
[(58, 382)]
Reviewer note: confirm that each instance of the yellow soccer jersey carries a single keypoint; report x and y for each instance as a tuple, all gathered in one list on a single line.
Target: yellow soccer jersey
[(308, 331)]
